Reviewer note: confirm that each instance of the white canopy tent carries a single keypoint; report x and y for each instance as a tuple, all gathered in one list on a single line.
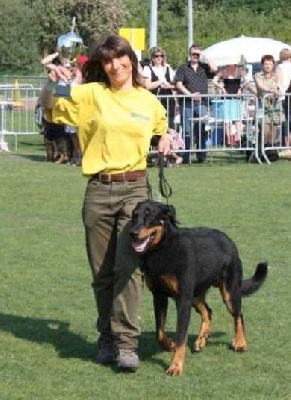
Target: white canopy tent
[(250, 49)]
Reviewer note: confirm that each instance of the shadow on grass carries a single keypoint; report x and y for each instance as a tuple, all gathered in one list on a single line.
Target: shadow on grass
[(71, 345), (24, 144), (55, 332), (32, 157)]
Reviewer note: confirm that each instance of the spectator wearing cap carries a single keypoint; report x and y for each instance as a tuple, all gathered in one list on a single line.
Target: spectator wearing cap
[(192, 81)]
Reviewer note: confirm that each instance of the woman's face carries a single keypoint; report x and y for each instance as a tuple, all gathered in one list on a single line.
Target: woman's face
[(268, 66), (119, 72), (158, 58)]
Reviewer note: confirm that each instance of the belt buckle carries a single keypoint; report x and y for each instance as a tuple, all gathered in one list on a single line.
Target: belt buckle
[(106, 178)]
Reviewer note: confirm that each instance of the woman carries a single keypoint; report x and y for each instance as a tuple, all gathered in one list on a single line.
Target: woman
[(71, 131), (158, 77), (230, 80), (116, 119), (267, 85)]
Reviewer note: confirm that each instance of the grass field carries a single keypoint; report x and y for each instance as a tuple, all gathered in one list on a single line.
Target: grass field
[(47, 315)]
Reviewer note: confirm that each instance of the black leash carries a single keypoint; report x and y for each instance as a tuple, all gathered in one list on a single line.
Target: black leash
[(164, 186)]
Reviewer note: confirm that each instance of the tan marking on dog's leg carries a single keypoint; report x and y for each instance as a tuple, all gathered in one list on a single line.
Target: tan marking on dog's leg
[(171, 282), (205, 327), (226, 298), (165, 343), (239, 343), (176, 366)]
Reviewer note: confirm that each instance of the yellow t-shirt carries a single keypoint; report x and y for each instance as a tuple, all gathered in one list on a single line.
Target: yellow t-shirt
[(115, 126)]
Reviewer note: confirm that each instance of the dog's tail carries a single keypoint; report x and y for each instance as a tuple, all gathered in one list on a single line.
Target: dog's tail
[(251, 285)]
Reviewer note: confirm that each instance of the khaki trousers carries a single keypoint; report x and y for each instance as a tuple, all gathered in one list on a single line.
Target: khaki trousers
[(117, 279)]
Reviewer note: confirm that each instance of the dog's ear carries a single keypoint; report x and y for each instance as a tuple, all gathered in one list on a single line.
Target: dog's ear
[(170, 213)]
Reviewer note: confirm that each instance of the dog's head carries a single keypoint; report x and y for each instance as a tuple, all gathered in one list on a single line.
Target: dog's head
[(150, 219)]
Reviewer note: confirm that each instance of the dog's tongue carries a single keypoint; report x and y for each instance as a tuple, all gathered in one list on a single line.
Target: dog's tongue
[(141, 245)]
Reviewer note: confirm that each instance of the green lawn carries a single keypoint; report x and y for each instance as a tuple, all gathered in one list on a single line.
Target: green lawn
[(47, 315)]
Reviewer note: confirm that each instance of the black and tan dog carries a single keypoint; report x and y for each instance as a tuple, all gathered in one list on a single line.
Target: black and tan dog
[(183, 263)]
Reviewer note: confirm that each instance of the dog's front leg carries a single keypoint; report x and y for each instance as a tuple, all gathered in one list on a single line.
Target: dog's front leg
[(161, 308), (183, 319)]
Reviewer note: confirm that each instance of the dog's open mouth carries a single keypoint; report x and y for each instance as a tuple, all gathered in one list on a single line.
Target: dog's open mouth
[(141, 245)]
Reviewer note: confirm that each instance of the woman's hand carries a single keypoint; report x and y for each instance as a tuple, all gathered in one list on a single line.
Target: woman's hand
[(55, 72), (165, 143), (58, 72), (47, 61), (167, 85)]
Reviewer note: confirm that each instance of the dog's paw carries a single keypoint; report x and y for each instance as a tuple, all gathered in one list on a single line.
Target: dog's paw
[(238, 347), (175, 369), (201, 342)]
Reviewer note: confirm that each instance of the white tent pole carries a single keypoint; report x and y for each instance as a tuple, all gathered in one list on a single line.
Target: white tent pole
[(190, 23), (154, 23)]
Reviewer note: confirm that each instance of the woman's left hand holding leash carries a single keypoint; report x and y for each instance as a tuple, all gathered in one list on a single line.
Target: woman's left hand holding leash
[(164, 145)]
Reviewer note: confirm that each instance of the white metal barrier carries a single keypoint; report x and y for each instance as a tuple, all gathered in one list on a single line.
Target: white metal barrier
[(231, 123), (17, 107), (209, 124), (216, 123), (275, 126)]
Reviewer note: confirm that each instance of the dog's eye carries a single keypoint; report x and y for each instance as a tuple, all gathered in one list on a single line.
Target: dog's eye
[(134, 215)]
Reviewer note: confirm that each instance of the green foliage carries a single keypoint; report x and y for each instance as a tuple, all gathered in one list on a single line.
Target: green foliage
[(54, 18), (214, 20), (18, 45), (252, 5), (38, 23), (98, 18), (94, 18), (177, 8)]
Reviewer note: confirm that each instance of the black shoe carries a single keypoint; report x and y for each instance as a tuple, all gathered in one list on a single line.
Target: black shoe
[(106, 355)]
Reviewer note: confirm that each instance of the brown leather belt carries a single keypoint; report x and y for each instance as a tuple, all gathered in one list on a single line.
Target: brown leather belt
[(130, 176)]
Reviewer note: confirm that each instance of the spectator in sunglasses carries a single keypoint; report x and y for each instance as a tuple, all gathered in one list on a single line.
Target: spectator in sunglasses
[(159, 77), (192, 82)]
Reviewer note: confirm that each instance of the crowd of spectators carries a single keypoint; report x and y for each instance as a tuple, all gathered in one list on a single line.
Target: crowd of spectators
[(191, 80)]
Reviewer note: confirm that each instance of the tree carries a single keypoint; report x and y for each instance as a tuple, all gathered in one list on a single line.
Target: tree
[(214, 20), (177, 7), (98, 18), (94, 18), (18, 47)]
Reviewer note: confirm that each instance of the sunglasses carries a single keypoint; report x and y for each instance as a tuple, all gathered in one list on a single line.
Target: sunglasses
[(159, 56), (194, 54)]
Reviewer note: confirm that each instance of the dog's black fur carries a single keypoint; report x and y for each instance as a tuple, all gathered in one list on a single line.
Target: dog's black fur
[(183, 263)]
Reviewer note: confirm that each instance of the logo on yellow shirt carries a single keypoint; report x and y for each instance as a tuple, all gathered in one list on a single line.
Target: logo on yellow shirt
[(138, 115)]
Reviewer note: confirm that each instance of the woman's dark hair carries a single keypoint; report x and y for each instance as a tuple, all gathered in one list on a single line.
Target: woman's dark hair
[(267, 57), (113, 46)]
